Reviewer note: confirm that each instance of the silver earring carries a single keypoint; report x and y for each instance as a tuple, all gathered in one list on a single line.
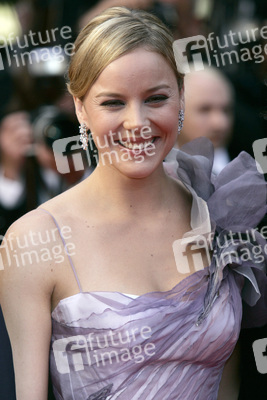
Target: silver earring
[(84, 135), (181, 121)]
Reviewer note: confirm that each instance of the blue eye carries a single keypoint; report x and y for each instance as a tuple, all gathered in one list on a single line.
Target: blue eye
[(112, 103), (156, 98)]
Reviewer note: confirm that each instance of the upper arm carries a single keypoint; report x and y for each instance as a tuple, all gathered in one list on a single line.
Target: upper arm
[(25, 296)]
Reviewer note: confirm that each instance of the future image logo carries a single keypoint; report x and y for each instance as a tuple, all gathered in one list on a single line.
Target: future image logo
[(191, 254), (192, 53), (36, 247), (68, 152), (193, 50), (260, 354), (260, 153), (195, 252), (28, 50), (98, 349)]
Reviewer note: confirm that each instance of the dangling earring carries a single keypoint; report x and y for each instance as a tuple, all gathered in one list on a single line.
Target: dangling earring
[(181, 121), (84, 135)]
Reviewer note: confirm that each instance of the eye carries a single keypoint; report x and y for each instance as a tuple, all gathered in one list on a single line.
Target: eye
[(112, 103), (157, 98)]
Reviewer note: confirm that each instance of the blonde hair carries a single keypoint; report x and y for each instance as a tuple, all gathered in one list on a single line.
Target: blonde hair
[(113, 33)]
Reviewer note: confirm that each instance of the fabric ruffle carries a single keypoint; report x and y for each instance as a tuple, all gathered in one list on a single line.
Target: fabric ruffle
[(236, 200), (147, 348), (173, 345)]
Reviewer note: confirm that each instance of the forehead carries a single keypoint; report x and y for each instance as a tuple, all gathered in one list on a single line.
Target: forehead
[(207, 88), (136, 69)]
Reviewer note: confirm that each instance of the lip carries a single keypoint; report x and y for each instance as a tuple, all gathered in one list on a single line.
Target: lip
[(136, 139), (139, 151)]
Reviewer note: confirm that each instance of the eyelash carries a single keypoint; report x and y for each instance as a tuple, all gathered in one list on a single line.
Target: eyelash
[(158, 98), (117, 103), (112, 103)]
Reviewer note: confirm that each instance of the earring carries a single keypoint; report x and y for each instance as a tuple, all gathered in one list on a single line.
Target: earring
[(181, 121), (83, 135)]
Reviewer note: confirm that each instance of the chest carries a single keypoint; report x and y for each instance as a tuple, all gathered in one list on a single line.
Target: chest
[(135, 257)]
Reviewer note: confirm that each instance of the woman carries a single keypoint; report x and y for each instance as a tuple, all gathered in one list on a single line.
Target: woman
[(129, 321)]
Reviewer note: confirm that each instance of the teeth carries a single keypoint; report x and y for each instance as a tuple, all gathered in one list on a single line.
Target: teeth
[(135, 146)]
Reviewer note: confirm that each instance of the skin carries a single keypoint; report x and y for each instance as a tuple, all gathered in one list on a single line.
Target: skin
[(122, 208), (129, 102), (208, 108)]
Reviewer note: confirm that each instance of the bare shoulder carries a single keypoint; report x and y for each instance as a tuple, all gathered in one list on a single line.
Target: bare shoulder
[(35, 248), (33, 220), (66, 202), (21, 233), (24, 254)]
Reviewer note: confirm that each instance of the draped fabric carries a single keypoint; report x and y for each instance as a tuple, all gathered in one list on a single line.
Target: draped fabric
[(173, 345)]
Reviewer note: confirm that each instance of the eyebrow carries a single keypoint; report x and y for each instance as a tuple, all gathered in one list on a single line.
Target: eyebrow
[(116, 95)]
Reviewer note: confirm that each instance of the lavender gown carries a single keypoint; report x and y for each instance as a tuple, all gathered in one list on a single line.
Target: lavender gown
[(172, 345)]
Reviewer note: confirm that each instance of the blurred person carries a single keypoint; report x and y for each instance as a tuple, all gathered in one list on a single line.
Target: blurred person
[(28, 173), (209, 101), (42, 110), (199, 122), (236, 15), (15, 141), (243, 19), (104, 4), (123, 221), (27, 178), (178, 15), (28, 170)]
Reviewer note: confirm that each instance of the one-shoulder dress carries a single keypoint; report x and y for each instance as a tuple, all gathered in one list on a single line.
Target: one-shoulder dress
[(173, 345)]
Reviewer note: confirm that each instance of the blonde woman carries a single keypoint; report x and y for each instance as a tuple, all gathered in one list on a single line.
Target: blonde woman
[(132, 317)]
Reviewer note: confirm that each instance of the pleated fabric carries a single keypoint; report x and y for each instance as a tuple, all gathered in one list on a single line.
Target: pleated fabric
[(173, 345)]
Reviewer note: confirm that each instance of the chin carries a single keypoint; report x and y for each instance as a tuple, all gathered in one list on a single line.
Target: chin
[(141, 170), (137, 165)]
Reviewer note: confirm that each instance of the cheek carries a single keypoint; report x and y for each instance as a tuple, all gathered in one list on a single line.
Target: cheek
[(169, 118), (101, 125), (172, 125)]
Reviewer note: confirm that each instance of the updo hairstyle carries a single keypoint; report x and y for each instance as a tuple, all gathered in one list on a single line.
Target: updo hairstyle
[(110, 35)]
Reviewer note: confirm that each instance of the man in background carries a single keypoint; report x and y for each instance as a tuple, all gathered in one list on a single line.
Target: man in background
[(209, 112)]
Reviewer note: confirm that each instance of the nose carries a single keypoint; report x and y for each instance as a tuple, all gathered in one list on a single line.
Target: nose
[(135, 118)]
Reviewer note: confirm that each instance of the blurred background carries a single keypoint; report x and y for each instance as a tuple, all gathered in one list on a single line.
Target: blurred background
[(227, 103)]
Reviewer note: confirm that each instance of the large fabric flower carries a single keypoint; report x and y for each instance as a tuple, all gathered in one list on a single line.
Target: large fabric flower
[(236, 200)]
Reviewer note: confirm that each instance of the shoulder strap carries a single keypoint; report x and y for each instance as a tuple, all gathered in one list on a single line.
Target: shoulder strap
[(65, 246)]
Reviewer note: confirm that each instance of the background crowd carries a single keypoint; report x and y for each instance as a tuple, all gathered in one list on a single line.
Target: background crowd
[(226, 104)]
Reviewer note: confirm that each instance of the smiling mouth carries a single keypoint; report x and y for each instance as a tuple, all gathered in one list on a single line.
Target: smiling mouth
[(137, 146)]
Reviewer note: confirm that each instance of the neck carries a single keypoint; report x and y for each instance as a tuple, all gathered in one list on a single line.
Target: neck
[(114, 191)]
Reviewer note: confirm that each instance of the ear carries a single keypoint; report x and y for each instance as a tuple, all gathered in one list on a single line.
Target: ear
[(80, 110)]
